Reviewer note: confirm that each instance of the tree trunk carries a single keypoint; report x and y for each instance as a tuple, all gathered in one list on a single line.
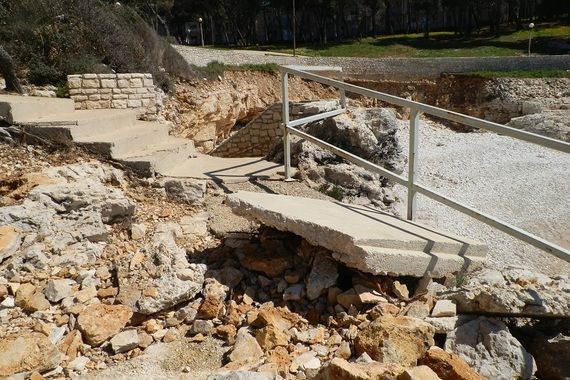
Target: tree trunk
[(8, 72)]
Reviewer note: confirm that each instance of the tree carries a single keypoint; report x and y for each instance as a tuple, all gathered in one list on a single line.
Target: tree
[(9, 72)]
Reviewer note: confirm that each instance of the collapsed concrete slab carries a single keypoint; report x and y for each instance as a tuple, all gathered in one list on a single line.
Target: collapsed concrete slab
[(362, 237)]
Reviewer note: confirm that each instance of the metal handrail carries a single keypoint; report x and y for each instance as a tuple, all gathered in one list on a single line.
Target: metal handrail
[(416, 109)]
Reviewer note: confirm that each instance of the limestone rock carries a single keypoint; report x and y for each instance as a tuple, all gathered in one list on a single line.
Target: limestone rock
[(323, 275), (487, 345), (400, 340), (164, 268), (444, 308), (100, 322), (196, 224), (340, 369), (10, 241), (307, 361), (270, 337), (27, 352), (31, 298), (400, 290), (138, 231), (125, 341), (421, 372), (56, 290), (448, 366), (185, 190), (240, 375), (516, 291), (246, 349)]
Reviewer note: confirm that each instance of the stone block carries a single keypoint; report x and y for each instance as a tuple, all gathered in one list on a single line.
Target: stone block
[(106, 96), (108, 83), (135, 97), (122, 83), (105, 91), (148, 83), (89, 91), (74, 81), (129, 91), (89, 76), (148, 76), (148, 96), (120, 96), (124, 76), (137, 75), (107, 76), (142, 90), (90, 105), (135, 82), (90, 83), (75, 91), (134, 103), (116, 90), (79, 98), (121, 104), (95, 97)]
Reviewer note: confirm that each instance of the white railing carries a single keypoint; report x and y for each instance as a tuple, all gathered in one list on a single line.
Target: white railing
[(416, 110)]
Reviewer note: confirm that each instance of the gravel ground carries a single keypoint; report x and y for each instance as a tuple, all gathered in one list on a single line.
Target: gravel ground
[(521, 183)]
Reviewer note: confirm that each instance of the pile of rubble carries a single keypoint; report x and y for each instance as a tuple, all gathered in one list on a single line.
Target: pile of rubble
[(95, 268)]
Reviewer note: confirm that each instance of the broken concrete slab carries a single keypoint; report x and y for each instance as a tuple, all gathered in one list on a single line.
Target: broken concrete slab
[(362, 237)]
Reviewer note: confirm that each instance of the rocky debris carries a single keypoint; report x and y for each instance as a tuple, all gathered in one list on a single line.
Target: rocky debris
[(401, 340), (551, 123), (340, 369), (448, 366), (159, 276), (27, 353), (246, 350), (444, 308), (323, 275), (421, 372), (515, 291), (487, 345), (56, 290), (367, 133), (100, 322)]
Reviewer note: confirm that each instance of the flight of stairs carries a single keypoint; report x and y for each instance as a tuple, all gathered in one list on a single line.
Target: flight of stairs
[(145, 147)]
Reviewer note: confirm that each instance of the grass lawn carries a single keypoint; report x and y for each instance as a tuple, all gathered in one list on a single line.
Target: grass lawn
[(441, 44)]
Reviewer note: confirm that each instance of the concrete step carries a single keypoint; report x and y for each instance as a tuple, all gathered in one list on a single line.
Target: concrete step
[(125, 141), (14, 107), (361, 237), (159, 158)]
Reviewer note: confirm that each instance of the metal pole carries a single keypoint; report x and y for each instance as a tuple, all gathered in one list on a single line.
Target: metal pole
[(530, 27), (412, 152), (294, 30), (286, 134), (201, 30)]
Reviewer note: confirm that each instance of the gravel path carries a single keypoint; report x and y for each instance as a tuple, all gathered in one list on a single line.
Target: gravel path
[(520, 183)]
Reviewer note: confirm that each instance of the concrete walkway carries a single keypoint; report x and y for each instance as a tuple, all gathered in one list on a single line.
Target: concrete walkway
[(361, 237), (145, 147)]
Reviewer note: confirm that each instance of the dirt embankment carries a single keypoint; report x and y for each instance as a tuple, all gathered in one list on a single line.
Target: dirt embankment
[(206, 111)]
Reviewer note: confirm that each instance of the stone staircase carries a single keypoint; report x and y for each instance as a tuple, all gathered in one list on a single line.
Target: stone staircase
[(145, 147)]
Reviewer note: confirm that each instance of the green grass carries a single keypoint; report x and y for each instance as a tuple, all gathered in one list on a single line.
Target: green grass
[(215, 68), (440, 44), (521, 74)]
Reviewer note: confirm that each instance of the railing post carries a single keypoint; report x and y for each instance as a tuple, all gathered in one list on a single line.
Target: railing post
[(286, 134), (412, 152)]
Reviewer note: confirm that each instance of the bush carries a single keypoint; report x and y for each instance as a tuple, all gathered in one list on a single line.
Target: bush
[(50, 39)]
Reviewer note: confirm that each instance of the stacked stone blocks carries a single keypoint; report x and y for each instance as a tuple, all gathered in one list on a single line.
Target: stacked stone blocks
[(258, 137), (119, 91)]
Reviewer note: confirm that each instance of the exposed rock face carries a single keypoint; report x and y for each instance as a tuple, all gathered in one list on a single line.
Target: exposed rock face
[(555, 124), (100, 322), (323, 275), (185, 190), (10, 241), (207, 111), (515, 291), (340, 369), (27, 352), (65, 218), (367, 133), (448, 366), (160, 277), (401, 340), (488, 346)]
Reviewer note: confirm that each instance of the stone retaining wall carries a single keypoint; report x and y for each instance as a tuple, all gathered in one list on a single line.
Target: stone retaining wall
[(381, 68), (259, 136), (121, 91)]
